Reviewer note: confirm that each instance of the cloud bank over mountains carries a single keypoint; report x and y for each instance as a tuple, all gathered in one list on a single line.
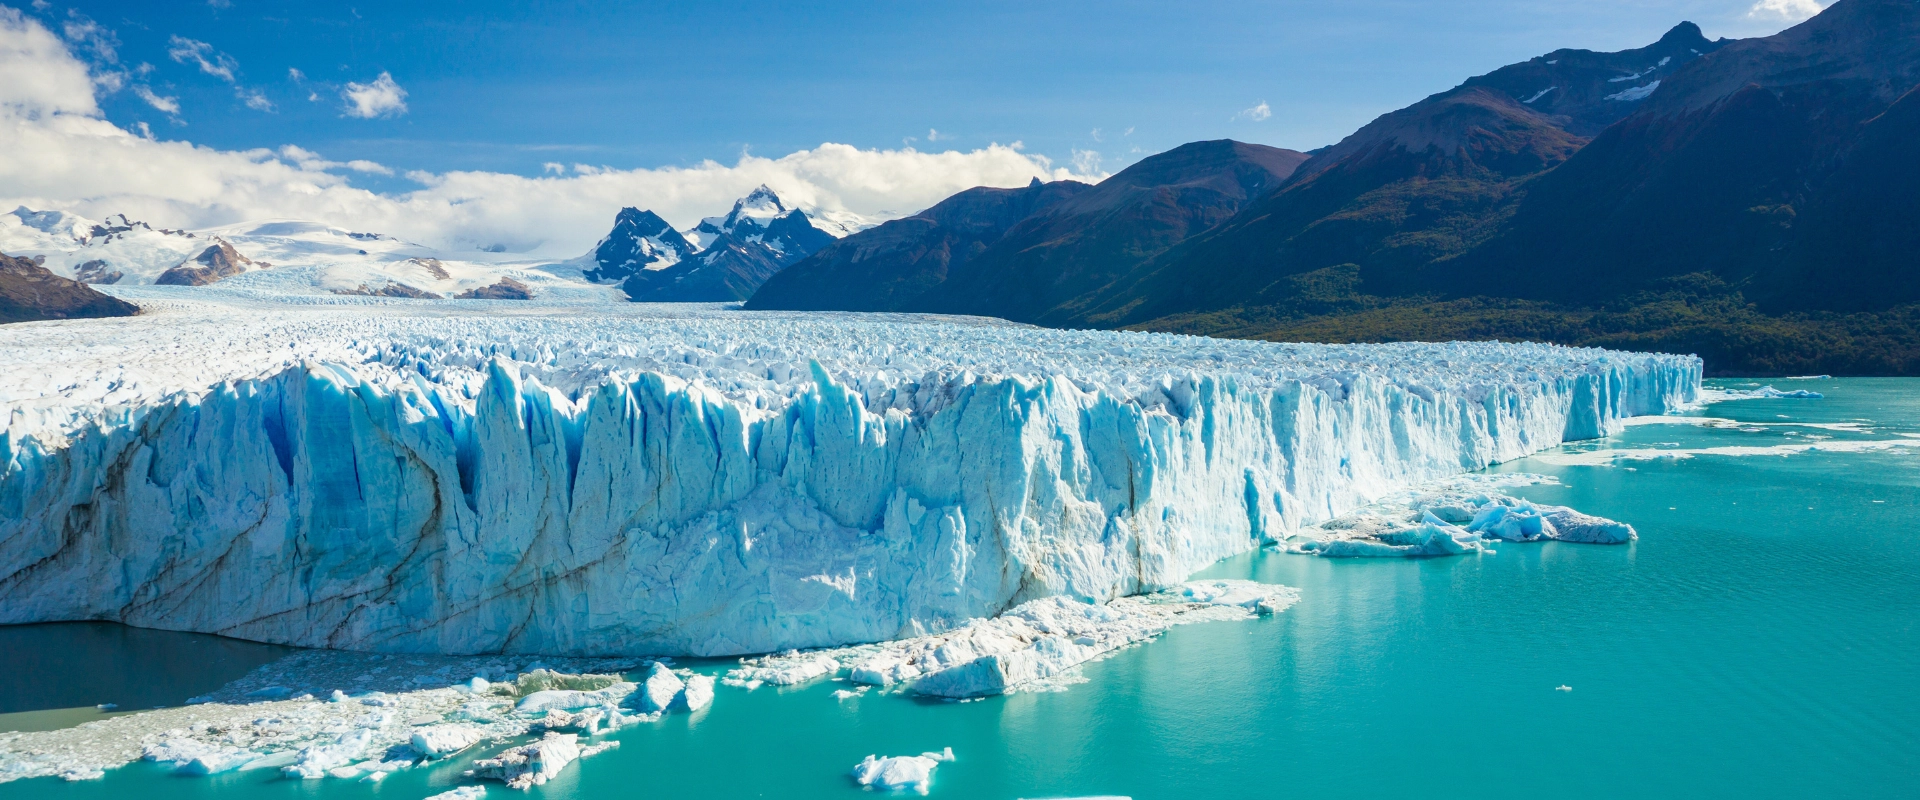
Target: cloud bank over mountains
[(58, 151)]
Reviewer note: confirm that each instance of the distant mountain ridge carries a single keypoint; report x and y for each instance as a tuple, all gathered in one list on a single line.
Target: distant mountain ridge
[(1027, 254), (720, 259), (1754, 201)]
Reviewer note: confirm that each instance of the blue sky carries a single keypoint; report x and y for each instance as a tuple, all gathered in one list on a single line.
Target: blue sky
[(526, 127), (509, 87)]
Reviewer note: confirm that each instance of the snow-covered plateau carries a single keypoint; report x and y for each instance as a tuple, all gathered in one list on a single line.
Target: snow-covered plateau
[(463, 477)]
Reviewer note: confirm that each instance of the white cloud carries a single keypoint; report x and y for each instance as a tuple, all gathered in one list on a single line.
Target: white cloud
[(62, 154), (167, 105), (1096, 135), (38, 75), (380, 98), (295, 75), (1257, 113), (90, 36), (254, 98), (219, 65), (934, 135), (1087, 162), (1794, 10)]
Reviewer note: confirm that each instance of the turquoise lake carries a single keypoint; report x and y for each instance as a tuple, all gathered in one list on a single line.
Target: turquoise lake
[(1761, 639)]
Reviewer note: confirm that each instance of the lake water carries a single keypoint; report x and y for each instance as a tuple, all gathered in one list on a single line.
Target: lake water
[(1761, 639)]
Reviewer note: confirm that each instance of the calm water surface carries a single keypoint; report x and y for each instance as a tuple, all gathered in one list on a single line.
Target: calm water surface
[(1761, 639)]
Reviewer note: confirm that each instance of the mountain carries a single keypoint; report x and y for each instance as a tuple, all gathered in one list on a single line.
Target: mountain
[(29, 291), (1782, 166), (640, 240), (1414, 186), (891, 266), (217, 262), (1067, 241), (736, 253)]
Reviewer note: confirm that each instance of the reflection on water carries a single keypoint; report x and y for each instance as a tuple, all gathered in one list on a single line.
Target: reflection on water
[(60, 671)]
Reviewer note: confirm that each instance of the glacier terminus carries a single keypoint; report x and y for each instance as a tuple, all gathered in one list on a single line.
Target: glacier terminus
[(590, 480)]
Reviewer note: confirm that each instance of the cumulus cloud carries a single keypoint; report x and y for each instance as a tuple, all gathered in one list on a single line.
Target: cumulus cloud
[(380, 98), (219, 65), (1794, 10), (62, 154), (1257, 113)]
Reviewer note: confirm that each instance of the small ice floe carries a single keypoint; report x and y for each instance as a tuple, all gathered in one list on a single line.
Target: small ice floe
[(440, 741), (699, 692), (787, 669), (662, 687), (529, 765), (1762, 393), (895, 773), (1563, 688), (462, 793), (571, 698), (849, 694)]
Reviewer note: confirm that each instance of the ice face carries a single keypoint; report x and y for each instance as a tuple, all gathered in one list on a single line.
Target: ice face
[(618, 480)]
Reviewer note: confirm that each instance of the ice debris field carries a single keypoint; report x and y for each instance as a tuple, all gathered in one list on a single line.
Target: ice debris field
[(947, 507)]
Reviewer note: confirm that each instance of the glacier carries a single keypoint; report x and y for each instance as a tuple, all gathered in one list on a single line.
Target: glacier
[(602, 479)]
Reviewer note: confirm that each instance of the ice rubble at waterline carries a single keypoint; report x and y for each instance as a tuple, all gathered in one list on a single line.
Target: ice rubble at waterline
[(1029, 646), (393, 713), (708, 482)]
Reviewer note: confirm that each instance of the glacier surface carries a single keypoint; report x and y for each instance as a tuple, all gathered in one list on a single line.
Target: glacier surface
[(474, 477)]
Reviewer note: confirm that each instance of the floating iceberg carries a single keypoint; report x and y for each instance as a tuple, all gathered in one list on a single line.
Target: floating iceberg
[(895, 773), (530, 765), (1461, 515), (403, 477), (440, 741)]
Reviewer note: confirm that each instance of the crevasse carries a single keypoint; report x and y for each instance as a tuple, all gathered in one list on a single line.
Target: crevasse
[(339, 505)]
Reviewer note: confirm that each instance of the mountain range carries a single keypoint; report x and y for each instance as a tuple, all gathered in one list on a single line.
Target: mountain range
[(1752, 201), (721, 259)]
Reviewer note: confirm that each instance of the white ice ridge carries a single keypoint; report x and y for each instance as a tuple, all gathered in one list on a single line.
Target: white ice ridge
[(645, 479), (1022, 648)]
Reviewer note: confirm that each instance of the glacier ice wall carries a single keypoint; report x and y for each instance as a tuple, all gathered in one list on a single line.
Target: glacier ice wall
[(729, 483)]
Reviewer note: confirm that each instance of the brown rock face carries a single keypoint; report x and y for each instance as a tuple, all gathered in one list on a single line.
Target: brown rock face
[(391, 290), (505, 289), (219, 261), (432, 266), (97, 272), (30, 292)]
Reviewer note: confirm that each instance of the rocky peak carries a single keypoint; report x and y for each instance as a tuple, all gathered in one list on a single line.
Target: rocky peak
[(218, 262)]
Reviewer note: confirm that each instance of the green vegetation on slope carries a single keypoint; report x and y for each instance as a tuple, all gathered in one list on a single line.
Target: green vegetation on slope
[(1691, 314)]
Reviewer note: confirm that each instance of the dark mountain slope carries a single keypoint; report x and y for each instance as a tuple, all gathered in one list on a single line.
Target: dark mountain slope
[(1046, 263), (1419, 184), (1768, 166), (30, 292), (1026, 254), (887, 267)]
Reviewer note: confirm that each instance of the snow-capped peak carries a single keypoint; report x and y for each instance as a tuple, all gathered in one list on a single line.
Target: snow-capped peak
[(55, 223)]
